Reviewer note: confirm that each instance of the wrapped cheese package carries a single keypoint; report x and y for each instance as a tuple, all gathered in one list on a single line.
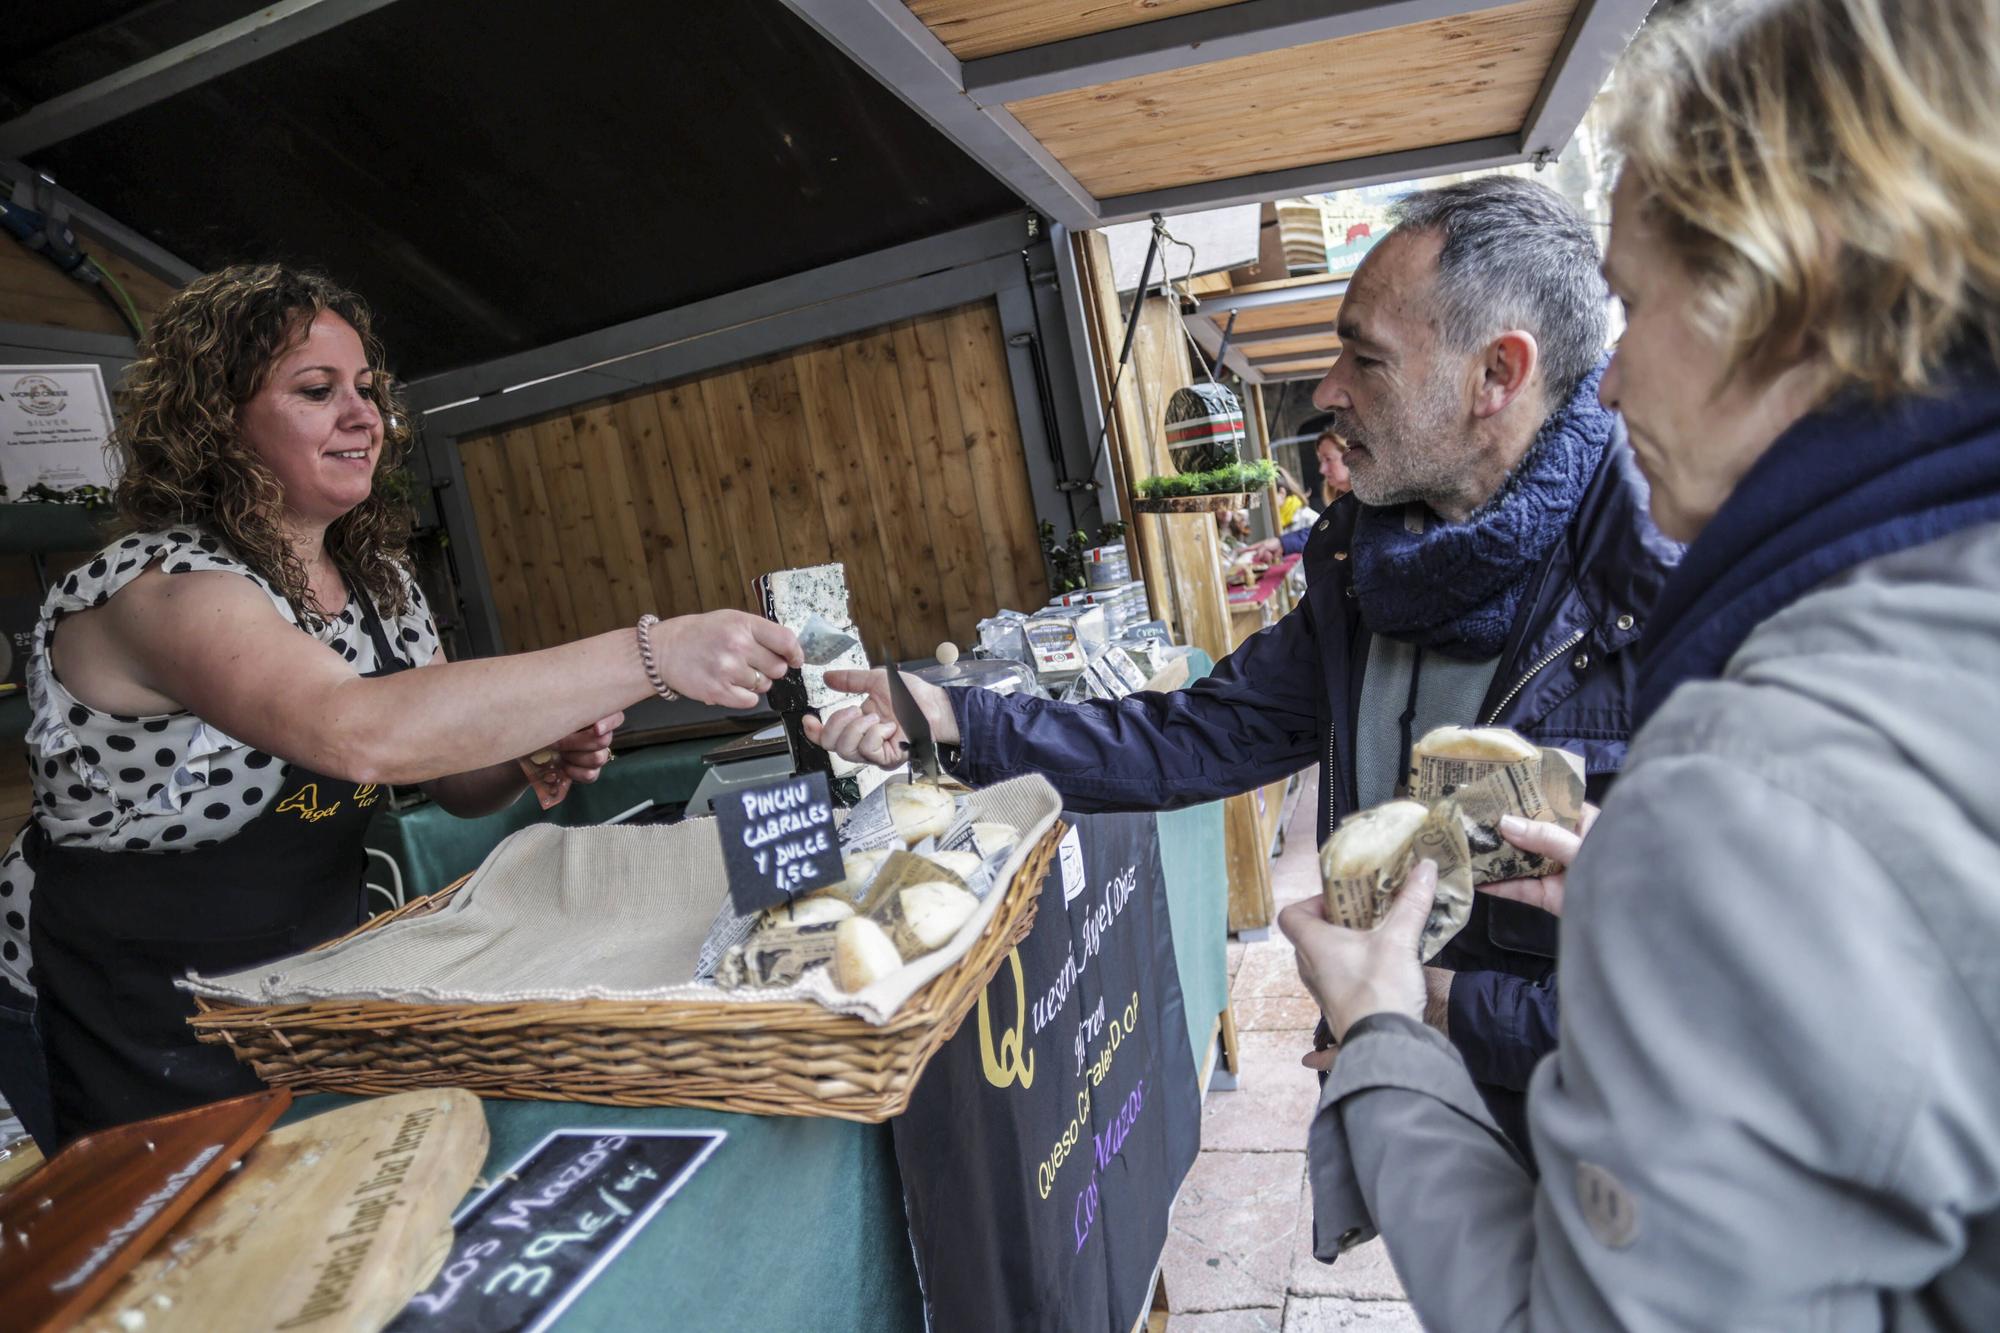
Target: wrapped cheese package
[(1369, 855), (1491, 772), (920, 810), (863, 954), (924, 917), (779, 955), (812, 910)]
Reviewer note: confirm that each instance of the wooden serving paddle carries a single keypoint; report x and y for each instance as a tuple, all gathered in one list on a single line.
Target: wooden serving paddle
[(70, 1230), (332, 1223)]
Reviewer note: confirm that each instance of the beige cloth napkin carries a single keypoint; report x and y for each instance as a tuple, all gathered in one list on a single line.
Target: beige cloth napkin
[(604, 913)]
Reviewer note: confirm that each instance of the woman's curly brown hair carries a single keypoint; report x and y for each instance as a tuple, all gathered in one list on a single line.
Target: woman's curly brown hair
[(182, 455)]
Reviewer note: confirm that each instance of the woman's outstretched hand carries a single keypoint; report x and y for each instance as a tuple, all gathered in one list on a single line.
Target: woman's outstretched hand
[(1555, 842), (726, 658)]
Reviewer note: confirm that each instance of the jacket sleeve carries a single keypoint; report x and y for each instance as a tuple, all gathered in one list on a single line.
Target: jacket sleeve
[(1736, 1131), (1294, 542), (1253, 720), (1502, 1025)]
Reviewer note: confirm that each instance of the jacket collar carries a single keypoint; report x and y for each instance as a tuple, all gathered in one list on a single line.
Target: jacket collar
[(1618, 560), (1610, 566)]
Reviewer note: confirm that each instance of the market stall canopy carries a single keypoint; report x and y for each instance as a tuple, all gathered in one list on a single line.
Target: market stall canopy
[(493, 177), (1102, 112), (1283, 330)]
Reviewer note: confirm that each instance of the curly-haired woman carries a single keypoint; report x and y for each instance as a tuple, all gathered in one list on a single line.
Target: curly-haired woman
[(1776, 1104), (218, 695)]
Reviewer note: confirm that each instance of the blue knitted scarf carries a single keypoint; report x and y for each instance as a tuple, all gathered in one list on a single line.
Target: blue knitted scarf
[(1454, 587), (1851, 482)]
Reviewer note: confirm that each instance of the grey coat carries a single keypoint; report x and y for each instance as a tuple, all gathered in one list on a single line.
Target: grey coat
[(1776, 1103)]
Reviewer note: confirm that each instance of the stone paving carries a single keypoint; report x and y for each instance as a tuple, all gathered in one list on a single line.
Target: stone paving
[(1239, 1256)]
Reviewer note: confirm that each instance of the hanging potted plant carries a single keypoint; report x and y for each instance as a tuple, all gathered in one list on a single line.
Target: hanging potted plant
[(1205, 440)]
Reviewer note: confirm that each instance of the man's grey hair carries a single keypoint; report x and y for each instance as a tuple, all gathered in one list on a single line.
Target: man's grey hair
[(1515, 255)]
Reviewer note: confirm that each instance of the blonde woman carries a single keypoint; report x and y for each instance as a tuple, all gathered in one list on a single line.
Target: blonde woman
[(1776, 1103), (217, 694)]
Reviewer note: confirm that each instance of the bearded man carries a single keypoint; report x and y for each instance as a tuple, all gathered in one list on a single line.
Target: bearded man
[(1494, 567)]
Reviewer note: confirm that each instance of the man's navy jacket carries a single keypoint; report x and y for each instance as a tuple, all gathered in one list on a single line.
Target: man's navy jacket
[(1290, 694)]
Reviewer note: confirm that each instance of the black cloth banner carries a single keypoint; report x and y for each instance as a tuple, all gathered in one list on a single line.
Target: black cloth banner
[(1043, 1148)]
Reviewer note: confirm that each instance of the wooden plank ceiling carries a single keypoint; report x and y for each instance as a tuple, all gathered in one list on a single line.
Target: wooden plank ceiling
[(1443, 81), (1285, 340), (974, 28)]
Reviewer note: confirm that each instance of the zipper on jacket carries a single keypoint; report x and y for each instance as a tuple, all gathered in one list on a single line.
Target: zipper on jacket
[(1533, 671), (1332, 777)]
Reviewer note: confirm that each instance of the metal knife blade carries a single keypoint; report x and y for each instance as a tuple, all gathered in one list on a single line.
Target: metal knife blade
[(916, 729)]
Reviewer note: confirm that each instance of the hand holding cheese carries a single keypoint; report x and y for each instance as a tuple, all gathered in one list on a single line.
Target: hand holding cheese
[(1370, 856), (1551, 843), (1354, 973), (1488, 773)]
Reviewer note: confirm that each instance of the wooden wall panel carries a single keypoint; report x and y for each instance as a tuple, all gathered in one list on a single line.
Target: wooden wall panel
[(896, 452), (993, 446), (34, 291)]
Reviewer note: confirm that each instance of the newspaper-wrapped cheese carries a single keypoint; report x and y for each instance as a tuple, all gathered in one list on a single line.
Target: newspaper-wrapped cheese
[(1369, 855), (779, 955), (900, 871), (963, 864), (813, 910), (992, 838), (1490, 772), (1447, 758), (863, 954), (923, 917), (920, 810), (860, 869)]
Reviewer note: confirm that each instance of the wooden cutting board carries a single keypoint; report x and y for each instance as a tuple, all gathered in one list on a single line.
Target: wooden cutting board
[(69, 1230), (330, 1223)]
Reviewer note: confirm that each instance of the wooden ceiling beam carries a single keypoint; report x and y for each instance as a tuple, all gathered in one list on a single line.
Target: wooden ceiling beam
[(1251, 27), (189, 65)]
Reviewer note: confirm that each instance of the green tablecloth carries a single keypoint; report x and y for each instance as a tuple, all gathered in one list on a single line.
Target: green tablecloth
[(792, 1224), (1197, 872)]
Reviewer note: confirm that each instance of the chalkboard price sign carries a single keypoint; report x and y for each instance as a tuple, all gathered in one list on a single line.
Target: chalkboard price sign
[(529, 1246), (778, 841)]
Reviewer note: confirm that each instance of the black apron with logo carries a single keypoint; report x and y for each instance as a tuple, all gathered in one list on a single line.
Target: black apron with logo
[(111, 932)]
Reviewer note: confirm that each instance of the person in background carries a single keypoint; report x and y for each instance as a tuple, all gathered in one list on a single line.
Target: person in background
[(1330, 451), (1497, 570), (1776, 1104), (1294, 507), (219, 695)]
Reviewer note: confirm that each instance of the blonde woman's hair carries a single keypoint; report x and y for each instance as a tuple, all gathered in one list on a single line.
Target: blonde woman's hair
[(181, 451), (1829, 171)]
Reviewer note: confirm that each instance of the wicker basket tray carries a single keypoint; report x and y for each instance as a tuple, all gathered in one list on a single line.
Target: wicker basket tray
[(790, 1058)]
